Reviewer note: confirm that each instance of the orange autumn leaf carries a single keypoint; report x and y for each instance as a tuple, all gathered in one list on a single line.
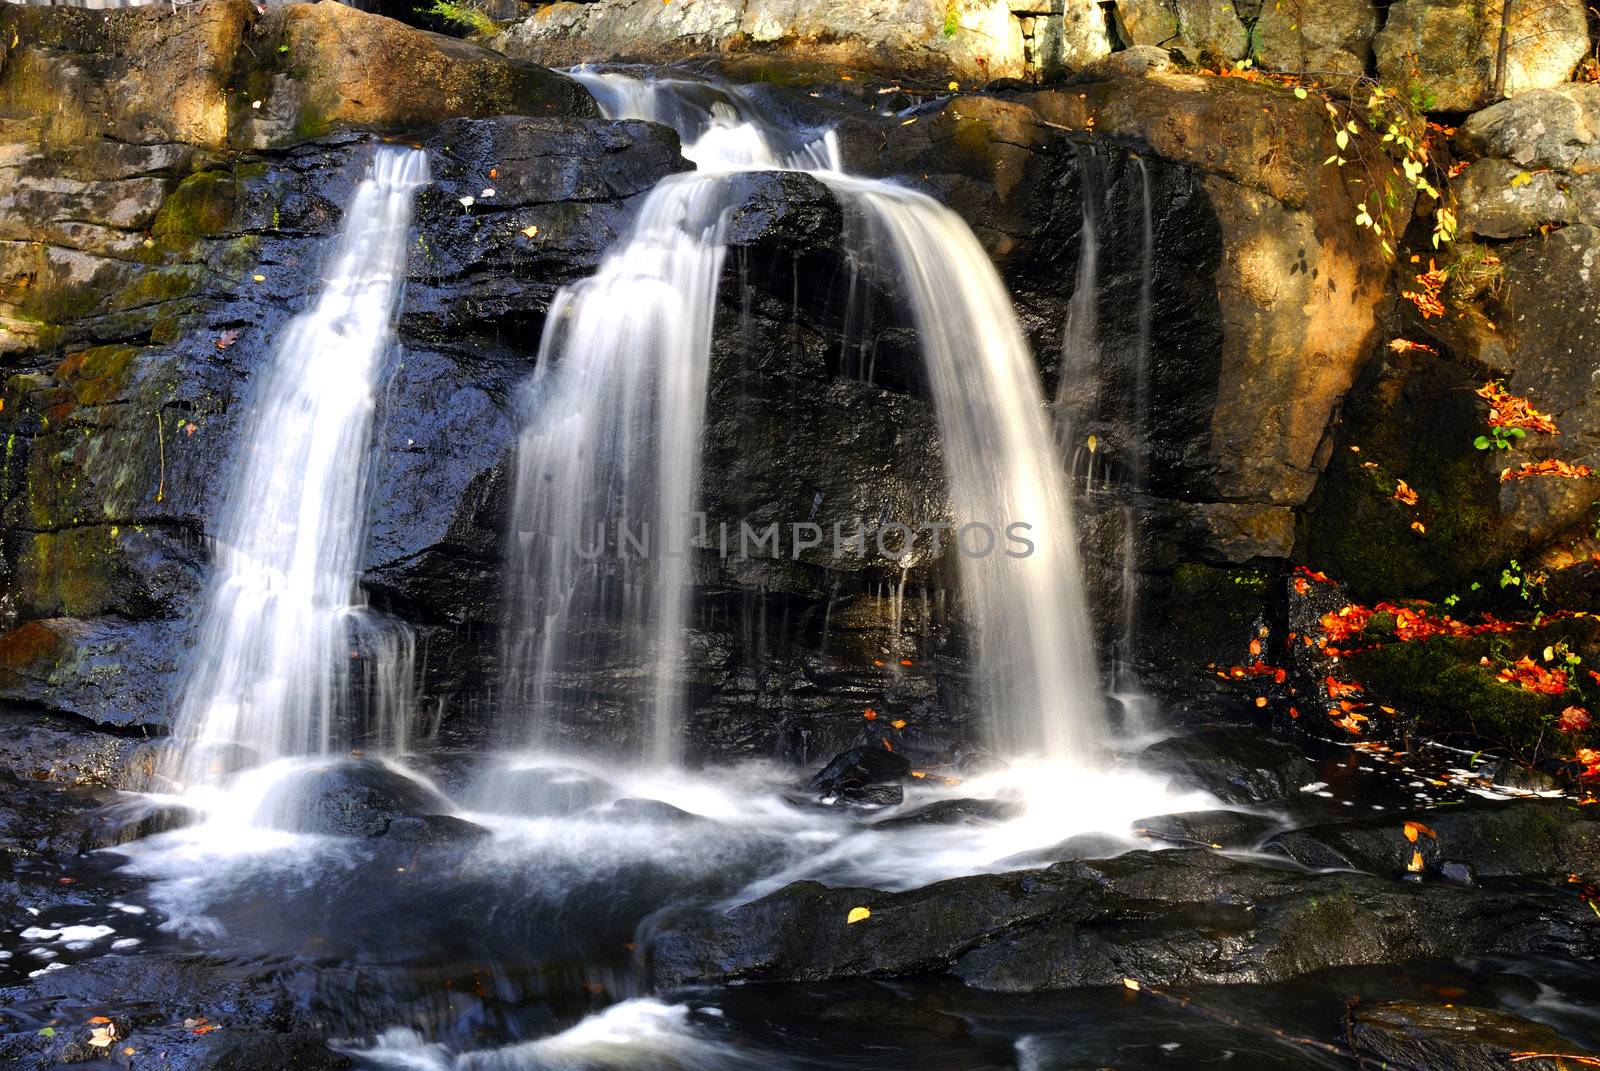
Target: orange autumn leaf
[(1511, 411), (870, 714), (1404, 494), (1548, 467), (1405, 345), (1414, 829), (1416, 865), (1426, 296)]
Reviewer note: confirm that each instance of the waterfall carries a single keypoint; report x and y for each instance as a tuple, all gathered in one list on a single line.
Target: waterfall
[(1036, 675), (612, 422), (281, 624), (1078, 389), (615, 415)]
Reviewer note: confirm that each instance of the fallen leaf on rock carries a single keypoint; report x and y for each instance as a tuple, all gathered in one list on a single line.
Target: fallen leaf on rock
[(857, 914), (1574, 720), (1414, 829), (227, 338)]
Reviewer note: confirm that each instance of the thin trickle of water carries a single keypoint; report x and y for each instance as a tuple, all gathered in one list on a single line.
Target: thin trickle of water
[(1078, 389), (282, 621), (1138, 423)]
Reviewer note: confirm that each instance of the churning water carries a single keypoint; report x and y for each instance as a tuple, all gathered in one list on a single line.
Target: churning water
[(271, 673)]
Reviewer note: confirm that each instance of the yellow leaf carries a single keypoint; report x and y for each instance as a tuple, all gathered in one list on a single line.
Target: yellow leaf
[(530, 231), (1129, 983), (1416, 864), (1092, 443), (1521, 179), (857, 914)]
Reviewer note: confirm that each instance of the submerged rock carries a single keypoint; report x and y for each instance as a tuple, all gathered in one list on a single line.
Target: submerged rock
[(363, 798), (954, 812), (1174, 917), (1454, 1037)]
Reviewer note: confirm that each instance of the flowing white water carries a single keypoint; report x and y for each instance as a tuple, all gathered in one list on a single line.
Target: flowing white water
[(612, 425), (281, 624), (1036, 669), (623, 368)]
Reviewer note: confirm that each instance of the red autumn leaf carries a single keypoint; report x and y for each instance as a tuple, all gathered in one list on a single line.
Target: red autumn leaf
[(1532, 677), (1574, 720)]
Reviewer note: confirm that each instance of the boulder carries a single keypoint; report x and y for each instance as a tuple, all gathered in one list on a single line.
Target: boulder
[(1447, 49), (1177, 917), (1237, 765), (969, 40), (1322, 38), (344, 67), (1200, 31), (1137, 61), (1501, 199), (219, 74), (1556, 129), (1455, 1036)]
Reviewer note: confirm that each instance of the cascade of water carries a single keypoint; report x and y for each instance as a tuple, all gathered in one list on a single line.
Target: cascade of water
[(614, 418), (270, 676), (1036, 665), (612, 421)]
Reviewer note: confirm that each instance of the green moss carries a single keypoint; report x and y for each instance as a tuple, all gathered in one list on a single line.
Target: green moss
[(99, 374), (155, 287), (203, 204), (1442, 682), (70, 572)]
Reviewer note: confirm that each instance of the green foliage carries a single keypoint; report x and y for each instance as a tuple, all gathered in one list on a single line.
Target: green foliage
[(463, 15), (951, 23), (1499, 439)]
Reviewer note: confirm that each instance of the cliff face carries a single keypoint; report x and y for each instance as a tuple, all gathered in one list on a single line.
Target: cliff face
[(170, 180)]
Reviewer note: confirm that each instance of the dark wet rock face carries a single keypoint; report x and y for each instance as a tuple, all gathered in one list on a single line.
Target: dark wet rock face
[(1237, 765), (1176, 917), (1217, 829), (1406, 1034), (858, 768)]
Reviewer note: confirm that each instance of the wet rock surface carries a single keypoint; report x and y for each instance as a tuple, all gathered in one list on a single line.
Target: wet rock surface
[(1471, 1039), (1490, 837), (1167, 918), (1237, 765)]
